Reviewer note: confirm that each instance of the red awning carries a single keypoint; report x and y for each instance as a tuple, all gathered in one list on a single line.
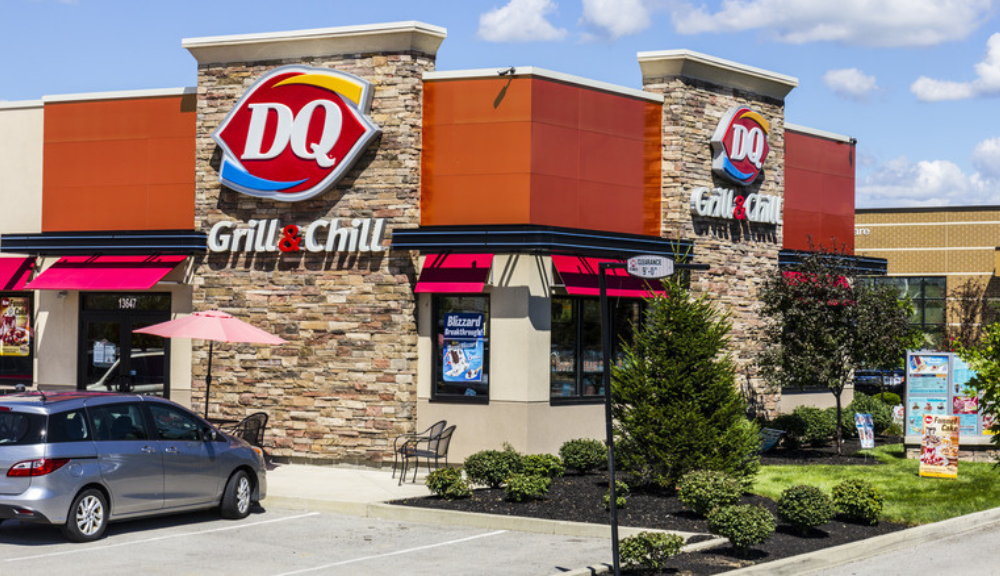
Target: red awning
[(14, 272), (450, 273), (105, 273), (579, 275)]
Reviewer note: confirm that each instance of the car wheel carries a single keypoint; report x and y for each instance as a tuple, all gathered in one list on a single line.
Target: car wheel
[(88, 517), (237, 497)]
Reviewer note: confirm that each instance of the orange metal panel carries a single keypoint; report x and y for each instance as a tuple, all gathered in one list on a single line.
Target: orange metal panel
[(119, 164), (819, 192)]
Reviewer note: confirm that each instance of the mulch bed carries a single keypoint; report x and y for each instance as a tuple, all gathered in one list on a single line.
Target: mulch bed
[(579, 499)]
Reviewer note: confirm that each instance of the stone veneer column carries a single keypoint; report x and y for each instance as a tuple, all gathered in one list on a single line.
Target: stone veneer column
[(344, 386), (698, 90)]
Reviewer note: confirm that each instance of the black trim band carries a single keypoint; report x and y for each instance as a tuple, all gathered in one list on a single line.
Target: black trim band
[(184, 242)]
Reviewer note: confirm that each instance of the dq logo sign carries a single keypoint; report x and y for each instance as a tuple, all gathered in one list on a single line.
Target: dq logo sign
[(295, 133), (739, 145)]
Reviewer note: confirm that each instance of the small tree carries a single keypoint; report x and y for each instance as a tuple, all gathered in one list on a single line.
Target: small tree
[(985, 360), (676, 405), (884, 332)]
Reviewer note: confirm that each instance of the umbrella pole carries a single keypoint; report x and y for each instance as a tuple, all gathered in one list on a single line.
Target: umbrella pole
[(208, 379)]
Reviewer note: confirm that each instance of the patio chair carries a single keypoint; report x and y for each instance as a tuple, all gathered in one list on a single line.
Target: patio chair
[(437, 449), (420, 437), (250, 429)]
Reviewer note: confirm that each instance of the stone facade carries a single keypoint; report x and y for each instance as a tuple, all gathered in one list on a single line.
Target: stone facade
[(344, 385), (740, 254)]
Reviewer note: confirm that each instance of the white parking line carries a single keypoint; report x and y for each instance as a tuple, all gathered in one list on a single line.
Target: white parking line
[(396, 553), (99, 548)]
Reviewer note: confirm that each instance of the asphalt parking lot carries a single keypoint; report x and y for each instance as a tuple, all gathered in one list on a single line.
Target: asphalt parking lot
[(285, 542)]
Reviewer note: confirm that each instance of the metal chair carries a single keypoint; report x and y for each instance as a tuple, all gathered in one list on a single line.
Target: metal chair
[(437, 448), (250, 429), (421, 437)]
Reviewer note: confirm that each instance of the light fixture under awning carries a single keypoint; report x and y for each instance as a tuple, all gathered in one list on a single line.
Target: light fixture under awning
[(579, 275), (14, 272), (105, 273), (454, 273)]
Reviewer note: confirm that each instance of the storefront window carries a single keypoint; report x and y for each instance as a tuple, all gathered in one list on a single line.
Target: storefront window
[(576, 359), (17, 338), (927, 293), (461, 348)]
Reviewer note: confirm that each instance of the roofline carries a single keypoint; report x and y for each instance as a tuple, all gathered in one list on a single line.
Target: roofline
[(918, 209), (119, 95), (820, 133), (691, 64), (483, 73)]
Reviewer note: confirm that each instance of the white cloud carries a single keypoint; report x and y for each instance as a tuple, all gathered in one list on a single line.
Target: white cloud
[(987, 82), (986, 158), (616, 18), (850, 83), (520, 21), (900, 182), (855, 22)]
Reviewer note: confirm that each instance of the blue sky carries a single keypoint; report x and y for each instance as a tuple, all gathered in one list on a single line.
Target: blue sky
[(917, 82)]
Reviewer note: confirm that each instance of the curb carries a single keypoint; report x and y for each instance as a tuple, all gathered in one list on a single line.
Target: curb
[(469, 519), (862, 549), (606, 568)]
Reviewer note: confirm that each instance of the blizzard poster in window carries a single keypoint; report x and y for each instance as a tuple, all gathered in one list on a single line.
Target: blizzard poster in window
[(463, 347), (15, 326)]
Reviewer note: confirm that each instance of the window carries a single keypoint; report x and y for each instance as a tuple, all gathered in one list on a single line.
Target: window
[(17, 335), (172, 424), (18, 428), (576, 358), (68, 427), (928, 296), (461, 358), (118, 422)]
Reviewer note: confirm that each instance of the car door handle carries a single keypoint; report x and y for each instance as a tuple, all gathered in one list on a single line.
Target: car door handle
[(148, 449), (172, 450)]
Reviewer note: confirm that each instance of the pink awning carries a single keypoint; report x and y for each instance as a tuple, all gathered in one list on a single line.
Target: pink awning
[(579, 275), (451, 273), (105, 273), (14, 272)]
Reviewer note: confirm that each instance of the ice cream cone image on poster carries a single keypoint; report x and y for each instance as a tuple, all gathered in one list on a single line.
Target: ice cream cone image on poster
[(939, 446)]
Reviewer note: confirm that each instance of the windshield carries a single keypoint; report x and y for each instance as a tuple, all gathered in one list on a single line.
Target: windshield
[(18, 428)]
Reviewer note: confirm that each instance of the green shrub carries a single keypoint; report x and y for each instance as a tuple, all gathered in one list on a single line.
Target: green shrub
[(649, 550), (890, 399), (858, 500), (863, 404), (492, 467), (818, 425), (703, 490), (448, 484), (621, 495), (744, 525), (524, 487), (675, 401), (805, 507), (794, 428), (583, 454), (542, 465)]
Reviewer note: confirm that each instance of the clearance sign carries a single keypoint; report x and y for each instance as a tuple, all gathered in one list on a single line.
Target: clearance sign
[(295, 132)]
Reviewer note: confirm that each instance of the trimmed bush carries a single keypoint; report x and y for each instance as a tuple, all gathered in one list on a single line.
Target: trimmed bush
[(621, 495), (583, 454), (524, 487), (805, 507), (858, 500), (542, 465), (448, 484), (863, 404), (649, 550), (492, 467), (744, 525), (794, 427), (818, 426), (703, 490), (890, 399)]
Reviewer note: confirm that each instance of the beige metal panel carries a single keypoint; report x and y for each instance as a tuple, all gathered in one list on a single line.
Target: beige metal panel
[(21, 166), (56, 326)]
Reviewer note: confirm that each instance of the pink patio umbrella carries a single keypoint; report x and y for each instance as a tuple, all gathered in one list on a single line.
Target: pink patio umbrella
[(214, 326)]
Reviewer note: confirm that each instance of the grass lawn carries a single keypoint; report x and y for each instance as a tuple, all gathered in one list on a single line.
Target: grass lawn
[(909, 499)]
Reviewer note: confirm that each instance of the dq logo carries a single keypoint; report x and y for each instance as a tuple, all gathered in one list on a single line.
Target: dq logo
[(740, 145), (295, 132)]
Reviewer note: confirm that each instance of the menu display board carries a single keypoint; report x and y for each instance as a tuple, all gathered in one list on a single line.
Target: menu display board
[(939, 447), (937, 385), (463, 349)]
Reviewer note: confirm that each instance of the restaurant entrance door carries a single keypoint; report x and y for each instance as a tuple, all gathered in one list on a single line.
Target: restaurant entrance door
[(111, 356)]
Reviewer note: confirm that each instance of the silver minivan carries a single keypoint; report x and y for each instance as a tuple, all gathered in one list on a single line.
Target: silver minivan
[(82, 459)]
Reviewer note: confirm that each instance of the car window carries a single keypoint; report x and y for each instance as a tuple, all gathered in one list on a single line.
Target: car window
[(117, 422), (17, 428), (173, 424), (68, 427)]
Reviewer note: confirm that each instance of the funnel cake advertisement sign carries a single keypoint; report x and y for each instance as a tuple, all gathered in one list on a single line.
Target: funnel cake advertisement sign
[(939, 447), (15, 326), (295, 133)]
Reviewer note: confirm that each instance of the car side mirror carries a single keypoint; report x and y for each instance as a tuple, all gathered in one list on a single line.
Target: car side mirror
[(209, 435)]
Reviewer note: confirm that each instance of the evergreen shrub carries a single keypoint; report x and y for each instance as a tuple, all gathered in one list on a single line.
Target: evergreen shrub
[(805, 507), (864, 404), (818, 426), (890, 399), (858, 500), (583, 454), (448, 484), (744, 525), (649, 550), (704, 490), (542, 465), (525, 487), (621, 495), (492, 467)]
